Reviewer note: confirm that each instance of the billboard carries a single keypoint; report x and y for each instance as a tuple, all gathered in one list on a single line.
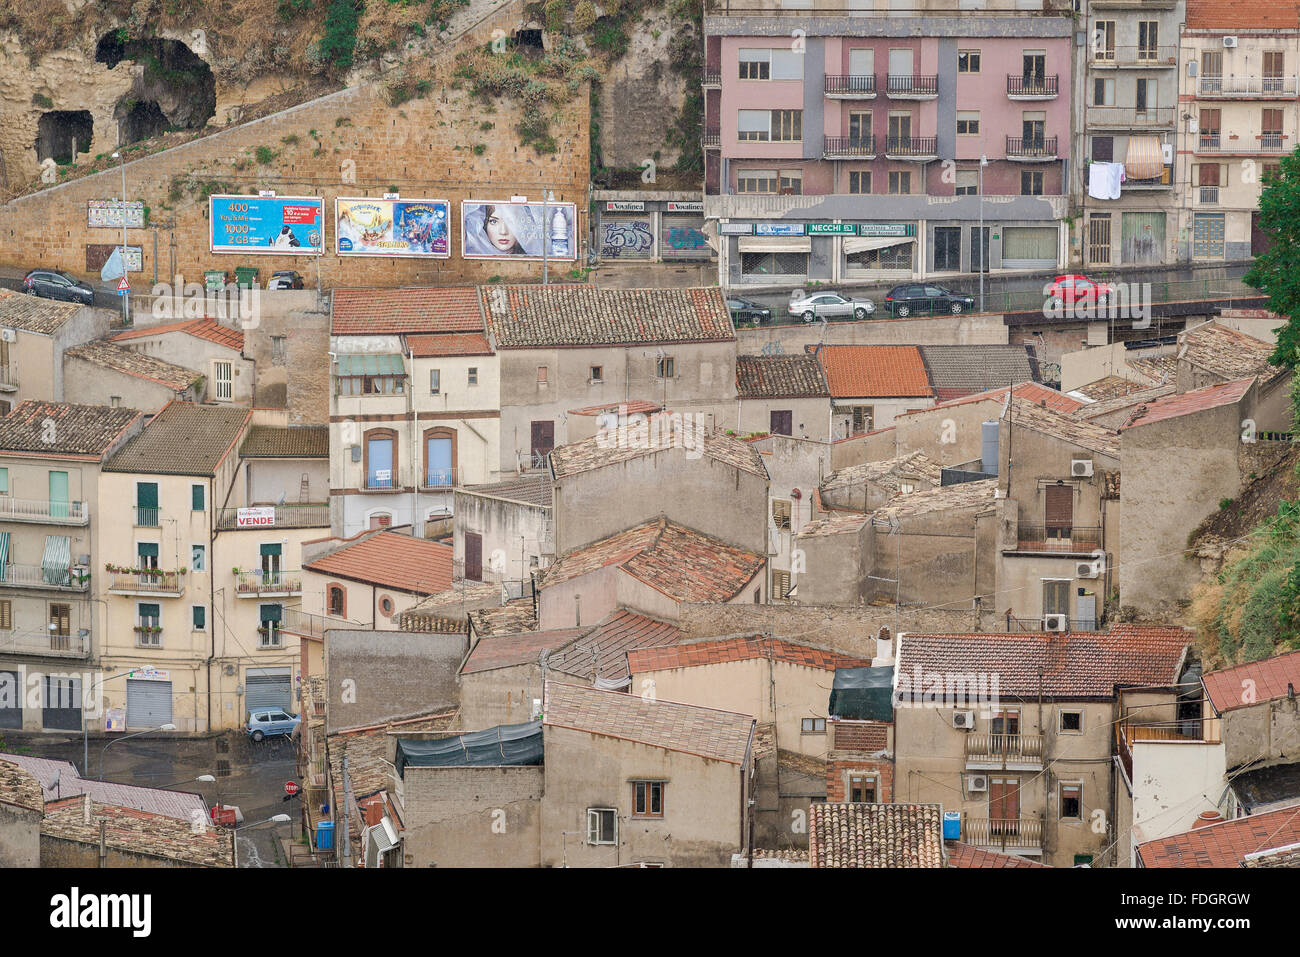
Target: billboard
[(517, 230), (274, 225), (109, 213), (393, 227)]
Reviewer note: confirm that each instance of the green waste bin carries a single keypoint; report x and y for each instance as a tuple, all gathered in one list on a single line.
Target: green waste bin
[(245, 276), (214, 280)]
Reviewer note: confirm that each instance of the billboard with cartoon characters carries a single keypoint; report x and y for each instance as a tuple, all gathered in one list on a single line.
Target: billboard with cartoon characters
[(393, 227)]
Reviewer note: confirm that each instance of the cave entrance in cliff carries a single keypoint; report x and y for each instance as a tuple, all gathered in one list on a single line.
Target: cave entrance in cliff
[(174, 90), (143, 119), (529, 38), (60, 132)]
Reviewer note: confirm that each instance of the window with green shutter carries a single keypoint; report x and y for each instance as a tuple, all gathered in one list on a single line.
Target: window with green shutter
[(196, 498), (200, 617), (4, 481)]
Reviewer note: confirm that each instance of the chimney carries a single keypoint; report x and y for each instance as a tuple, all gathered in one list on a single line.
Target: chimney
[(85, 808), (884, 649), (1206, 818)]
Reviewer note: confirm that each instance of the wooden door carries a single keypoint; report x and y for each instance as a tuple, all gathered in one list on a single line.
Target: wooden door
[(473, 556)]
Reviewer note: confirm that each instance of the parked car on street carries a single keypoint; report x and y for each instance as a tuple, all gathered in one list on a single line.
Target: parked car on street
[(920, 299), (830, 305), (285, 279), (1073, 289), (270, 722), (56, 284), (742, 310)]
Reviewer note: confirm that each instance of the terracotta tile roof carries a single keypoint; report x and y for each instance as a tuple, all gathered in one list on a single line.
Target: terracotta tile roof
[(177, 804), (287, 442), (661, 432), (403, 563), (887, 473), (631, 407), (1270, 676), (79, 429), (603, 653), (1262, 15), (1158, 369), (977, 368), (1225, 844), (837, 523), (966, 855), (183, 439), (1198, 400), (1106, 406), (705, 732), (1227, 353), (132, 363), (874, 371), (506, 651), (1033, 391), (510, 618), (924, 501), (208, 329), (33, 314), (1079, 432), (374, 312), (875, 835), (449, 344), (19, 787), (532, 489), (1108, 387), (780, 377), (524, 317), (140, 832), (685, 565), (1287, 856), (725, 650), (1075, 665), (367, 752)]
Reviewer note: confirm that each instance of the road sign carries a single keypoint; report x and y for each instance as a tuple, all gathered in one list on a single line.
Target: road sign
[(290, 788), (123, 285)]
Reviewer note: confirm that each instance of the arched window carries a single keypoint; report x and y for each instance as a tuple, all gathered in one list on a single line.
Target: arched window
[(336, 601), (439, 457), (381, 465)]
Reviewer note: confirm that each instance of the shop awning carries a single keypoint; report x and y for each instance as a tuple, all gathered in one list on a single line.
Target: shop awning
[(371, 365), (775, 244), (861, 245), (1144, 159)]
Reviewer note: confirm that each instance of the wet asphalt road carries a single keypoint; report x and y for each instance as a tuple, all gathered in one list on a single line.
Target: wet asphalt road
[(250, 776)]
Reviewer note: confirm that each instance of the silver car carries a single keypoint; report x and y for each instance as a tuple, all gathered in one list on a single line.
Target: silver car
[(830, 305)]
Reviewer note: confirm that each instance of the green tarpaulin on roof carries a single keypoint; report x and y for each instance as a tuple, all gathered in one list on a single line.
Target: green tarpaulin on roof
[(507, 745), (371, 365), (863, 694)]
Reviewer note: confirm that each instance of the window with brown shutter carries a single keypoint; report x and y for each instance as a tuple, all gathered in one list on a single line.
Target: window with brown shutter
[(1103, 149), (1207, 174), (6, 615), (1059, 510), (780, 584), (781, 513)]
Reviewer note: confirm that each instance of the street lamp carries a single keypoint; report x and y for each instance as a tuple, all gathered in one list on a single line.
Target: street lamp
[(85, 728), (126, 300), (161, 727), (547, 198), (234, 836)]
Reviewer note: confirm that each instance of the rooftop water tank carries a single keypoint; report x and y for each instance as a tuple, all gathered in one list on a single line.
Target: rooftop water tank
[(952, 825), (989, 448), (325, 835)]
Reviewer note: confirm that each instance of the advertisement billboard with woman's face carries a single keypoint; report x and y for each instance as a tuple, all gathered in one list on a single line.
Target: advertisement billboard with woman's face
[(518, 230), (393, 227), (274, 225)]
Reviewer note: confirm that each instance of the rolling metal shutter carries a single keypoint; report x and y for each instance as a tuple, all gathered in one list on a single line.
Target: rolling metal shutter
[(1060, 506), (1029, 247), (62, 708), (11, 701), (148, 703), (268, 688)]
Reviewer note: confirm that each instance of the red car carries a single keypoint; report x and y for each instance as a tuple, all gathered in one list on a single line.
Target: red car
[(1075, 289)]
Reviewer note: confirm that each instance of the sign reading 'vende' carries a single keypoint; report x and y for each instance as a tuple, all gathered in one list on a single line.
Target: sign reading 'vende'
[(259, 517)]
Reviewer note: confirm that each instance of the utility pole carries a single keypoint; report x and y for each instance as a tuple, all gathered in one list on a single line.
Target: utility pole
[(546, 235)]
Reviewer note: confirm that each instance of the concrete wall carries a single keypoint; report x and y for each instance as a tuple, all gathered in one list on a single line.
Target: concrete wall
[(701, 825), (379, 676), (1173, 782), (949, 436), (1266, 732), (691, 489), (20, 836), (191, 352), (472, 816), (500, 696), (937, 331), (835, 567), (60, 852), (516, 535), (809, 418), (88, 383), (267, 481), (288, 345)]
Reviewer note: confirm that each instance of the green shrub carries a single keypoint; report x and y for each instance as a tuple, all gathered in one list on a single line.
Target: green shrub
[(290, 140), (608, 36), (264, 155), (338, 46), (584, 15)]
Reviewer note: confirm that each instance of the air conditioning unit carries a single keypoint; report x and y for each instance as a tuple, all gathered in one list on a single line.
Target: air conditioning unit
[(977, 782), (8, 335), (1229, 42), (1167, 153), (1055, 623), (1081, 468), (963, 720), (1192, 66), (1087, 570)]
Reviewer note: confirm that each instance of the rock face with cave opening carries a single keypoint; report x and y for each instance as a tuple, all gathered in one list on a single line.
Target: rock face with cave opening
[(58, 132), (172, 88)]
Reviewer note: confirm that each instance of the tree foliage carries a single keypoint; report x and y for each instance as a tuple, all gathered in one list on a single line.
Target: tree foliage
[(1276, 270)]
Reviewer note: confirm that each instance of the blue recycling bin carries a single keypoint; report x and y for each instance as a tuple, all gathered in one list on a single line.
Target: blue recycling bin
[(325, 835)]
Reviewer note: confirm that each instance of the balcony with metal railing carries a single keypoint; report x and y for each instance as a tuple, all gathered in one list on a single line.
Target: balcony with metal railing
[(1265, 144), (1031, 149), (147, 582), (1017, 835), (849, 147), (1192, 731), (300, 515), (712, 77), (911, 86), (1127, 117), (8, 378), (919, 148), (1164, 181), (1256, 87), (711, 138), (48, 645), (1003, 752), (1020, 87), (851, 87), (53, 578), (436, 479), (305, 624), (1058, 539), (260, 583), (43, 512), (145, 516), (1138, 57)]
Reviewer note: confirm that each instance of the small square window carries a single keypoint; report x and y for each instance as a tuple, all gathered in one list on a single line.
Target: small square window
[(813, 726), (1071, 722), (665, 368), (541, 375), (200, 617), (197, 497), (602, 825), (115, 401), (1071, 802), (648, 798), (198, 558), (862, 789), (597, 374), (968, 61), (473, 375)]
